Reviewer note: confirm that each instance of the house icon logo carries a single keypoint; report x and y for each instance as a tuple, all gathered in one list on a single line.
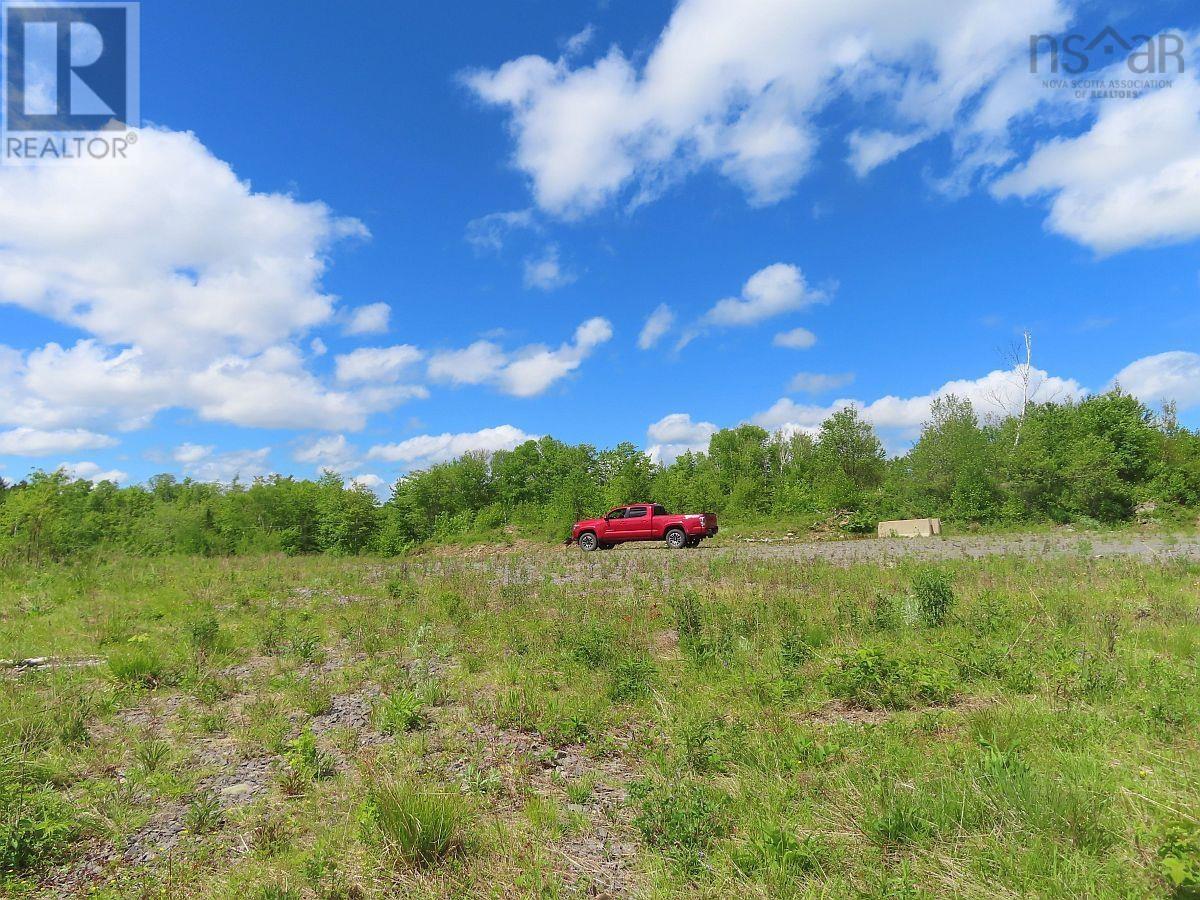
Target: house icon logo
[(1077, 53)]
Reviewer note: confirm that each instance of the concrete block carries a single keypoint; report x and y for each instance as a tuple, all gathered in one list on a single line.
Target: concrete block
[(910, 528)]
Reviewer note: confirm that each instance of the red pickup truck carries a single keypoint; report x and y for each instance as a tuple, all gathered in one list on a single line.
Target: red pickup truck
[(643, 522)]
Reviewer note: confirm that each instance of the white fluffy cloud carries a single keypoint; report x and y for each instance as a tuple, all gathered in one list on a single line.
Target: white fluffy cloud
[(658, 323), (769, 292), (546, 272), (796, 339), (819, 383), (524, 373), (171, 253), (26, 441), (378, 364), (428, 449), (1132, 179), (195, 289), (203, 464), (370, 319), (995, 394), (739, 87), (1174, 375), (676, 434), (332, 452), (274, 390), (85, 384), (89, 471)]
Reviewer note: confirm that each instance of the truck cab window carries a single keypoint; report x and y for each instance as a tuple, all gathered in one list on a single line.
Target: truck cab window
[(635, 512), (660, 510)]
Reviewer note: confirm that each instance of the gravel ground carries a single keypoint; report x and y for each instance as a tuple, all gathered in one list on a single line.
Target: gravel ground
[(1153, 547)]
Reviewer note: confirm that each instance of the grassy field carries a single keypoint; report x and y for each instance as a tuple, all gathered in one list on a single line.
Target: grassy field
[(636, 723)]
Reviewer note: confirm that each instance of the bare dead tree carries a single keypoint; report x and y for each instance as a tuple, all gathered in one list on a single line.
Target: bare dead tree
[(1021, 379)]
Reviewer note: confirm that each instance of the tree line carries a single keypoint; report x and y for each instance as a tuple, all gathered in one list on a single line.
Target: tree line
[(1091, 461)]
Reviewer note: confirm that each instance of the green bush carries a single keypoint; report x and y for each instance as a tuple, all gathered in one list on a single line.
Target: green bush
[(681, 817), (872, 678), (934, 592)]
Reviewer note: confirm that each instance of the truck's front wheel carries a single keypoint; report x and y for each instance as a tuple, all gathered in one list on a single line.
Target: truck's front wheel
[(588, 542), (676, 539)]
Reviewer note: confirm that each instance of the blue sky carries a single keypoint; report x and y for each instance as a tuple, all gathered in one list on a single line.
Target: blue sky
[(489, 201)]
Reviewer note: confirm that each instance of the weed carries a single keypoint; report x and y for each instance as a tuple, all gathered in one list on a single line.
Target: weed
[(401, 711), (270, 834), (481, 781), (872, 678), (419, 826), (1179, 858), (698, 742), (592, 644), (73, 722), (681, 817), (776, 850), (151, 754), (899, 819), (306, 647), (304, 762), (137, 663), (631, 679), (203, 814), (934, 593), (688, 616), (36, 825), (581, 789)]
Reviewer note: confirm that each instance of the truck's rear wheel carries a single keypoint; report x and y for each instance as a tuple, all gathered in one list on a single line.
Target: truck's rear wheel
[(676, 539), (588, 542)]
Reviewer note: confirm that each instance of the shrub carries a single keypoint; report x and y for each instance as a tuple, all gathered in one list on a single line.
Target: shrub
[(418, 826), (204, 633), (934, 593), (400, 587)]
